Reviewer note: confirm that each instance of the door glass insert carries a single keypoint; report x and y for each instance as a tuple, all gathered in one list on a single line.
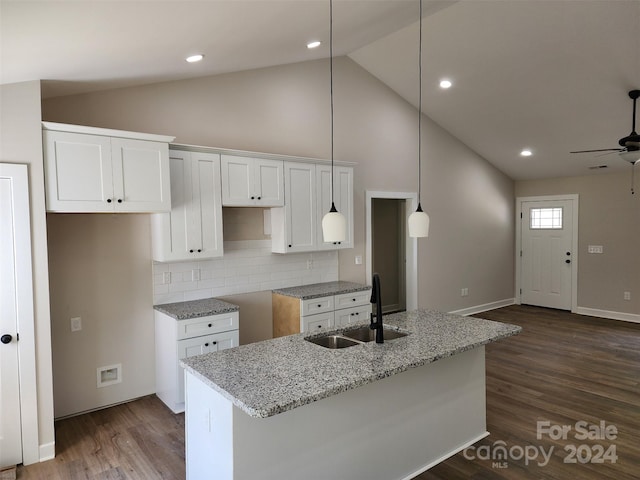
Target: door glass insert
[(545, 218)]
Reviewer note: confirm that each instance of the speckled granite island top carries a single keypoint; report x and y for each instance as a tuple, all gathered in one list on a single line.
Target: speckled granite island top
[(196, 308), (273, 376), (315, 290)]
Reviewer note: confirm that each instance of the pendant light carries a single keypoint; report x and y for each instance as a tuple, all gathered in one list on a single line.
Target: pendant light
[(334, 225), (419, 220)]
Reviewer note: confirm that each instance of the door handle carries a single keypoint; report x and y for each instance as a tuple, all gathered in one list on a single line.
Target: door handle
[(6, 338)]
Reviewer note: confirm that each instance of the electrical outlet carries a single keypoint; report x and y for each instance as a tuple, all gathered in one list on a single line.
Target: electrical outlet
[(76, 324), (464, 292), (195, 275), (358, 259), (166, 277), (627, 295), (309, 264)]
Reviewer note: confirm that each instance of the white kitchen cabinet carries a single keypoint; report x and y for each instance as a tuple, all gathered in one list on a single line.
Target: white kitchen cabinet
[(293, 227), (178, 339), (297, 227), (91, 169), (293, 315), (343, 199), (193, 228), (252, 182)]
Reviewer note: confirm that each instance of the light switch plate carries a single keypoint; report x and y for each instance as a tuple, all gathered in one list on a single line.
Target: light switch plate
[(76, 324)]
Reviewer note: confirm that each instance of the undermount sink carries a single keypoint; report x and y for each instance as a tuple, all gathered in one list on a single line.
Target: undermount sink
[(365, 334), (355, 336), (333, 341)]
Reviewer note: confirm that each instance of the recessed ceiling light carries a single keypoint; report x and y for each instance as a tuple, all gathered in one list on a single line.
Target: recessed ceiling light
[(526, 152), (444, 83), (194, 58), (314, 44)]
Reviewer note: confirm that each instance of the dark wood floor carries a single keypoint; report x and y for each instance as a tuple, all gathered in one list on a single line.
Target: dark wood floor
[(562, 369)]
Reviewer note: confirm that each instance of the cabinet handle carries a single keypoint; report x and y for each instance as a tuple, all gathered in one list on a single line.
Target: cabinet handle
[(119, 200), (109, 200), (209, 325)]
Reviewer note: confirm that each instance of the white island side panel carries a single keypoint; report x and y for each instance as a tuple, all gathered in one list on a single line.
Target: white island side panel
[(390, 429)]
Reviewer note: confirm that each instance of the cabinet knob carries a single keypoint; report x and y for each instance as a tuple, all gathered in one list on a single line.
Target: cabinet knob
[(119, 200), (214, 343), (319, 305), (209, 325), (109, 200), (353, 299), (259, 198), (253, 198), (206, 344), (191, 251), (289, 245), (199, 250)]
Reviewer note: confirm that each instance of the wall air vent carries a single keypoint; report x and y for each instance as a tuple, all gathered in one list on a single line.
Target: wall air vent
[(598, 167)]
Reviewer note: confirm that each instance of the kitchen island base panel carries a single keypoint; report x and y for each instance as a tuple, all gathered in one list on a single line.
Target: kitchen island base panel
[(391, 429)]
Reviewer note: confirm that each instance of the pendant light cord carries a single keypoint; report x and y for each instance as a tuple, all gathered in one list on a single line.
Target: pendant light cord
[(420, 109), (333, 208)]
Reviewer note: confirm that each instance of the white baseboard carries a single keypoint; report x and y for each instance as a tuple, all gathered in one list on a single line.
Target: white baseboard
[(485, 307), (594, 312), (47, 451)]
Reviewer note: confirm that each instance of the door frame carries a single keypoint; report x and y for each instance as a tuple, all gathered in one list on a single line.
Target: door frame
[(574, 198), (411, 244), (26, 320)]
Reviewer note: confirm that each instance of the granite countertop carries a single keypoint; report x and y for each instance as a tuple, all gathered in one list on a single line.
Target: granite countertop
[(273, 376), (196, 308), (325, 289)]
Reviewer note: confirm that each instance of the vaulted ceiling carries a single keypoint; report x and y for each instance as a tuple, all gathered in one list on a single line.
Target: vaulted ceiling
[(552, 76)]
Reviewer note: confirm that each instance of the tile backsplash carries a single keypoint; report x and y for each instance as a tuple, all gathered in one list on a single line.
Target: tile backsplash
[(247, 266)]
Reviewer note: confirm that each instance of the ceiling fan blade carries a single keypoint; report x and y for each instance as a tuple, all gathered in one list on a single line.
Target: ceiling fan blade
[(600, 150)]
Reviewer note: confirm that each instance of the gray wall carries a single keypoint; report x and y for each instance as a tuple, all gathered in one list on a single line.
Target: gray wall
[(285, 110), (21, 142), (609, 216)]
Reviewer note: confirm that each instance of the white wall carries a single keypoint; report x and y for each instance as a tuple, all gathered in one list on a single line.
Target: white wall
[(21, 142)]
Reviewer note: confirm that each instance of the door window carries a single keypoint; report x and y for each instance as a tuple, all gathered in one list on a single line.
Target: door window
[(545, 218)]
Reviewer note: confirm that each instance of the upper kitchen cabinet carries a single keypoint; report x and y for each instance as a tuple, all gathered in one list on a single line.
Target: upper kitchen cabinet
[(92, 169), (252, 182), (297, 227), (193, 228), (342, 197)]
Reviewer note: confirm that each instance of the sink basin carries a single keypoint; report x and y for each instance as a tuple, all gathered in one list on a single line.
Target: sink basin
[(365, 334), (333, 341)]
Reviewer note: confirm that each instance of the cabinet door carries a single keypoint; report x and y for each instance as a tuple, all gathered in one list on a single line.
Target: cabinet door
[(343, 199), (205, 226), (237, 180), (269, 176), (141, 175), (316, 322), (347, 316), (300, 208), (193, 228), (78, 172)]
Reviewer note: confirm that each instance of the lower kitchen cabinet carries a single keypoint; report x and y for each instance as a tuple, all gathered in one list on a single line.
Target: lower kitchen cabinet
[(178, 339), (293, 315)]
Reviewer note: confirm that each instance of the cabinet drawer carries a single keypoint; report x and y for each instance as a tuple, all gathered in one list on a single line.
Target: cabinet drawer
[(347, 300), (347, 316), (196, 327), (315, 322), (316, 305)]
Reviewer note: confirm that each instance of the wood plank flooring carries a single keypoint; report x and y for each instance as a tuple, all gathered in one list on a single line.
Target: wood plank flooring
[(563, 368)]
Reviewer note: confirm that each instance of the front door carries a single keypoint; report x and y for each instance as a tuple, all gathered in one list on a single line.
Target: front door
[(546, 253), (14, 207)]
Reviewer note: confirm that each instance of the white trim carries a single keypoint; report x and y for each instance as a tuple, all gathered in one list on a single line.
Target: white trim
[(446, 456), (411, 244), (26, 319), (575, 198), (47, 451), (105, 132), (594, 312), (484, 307)]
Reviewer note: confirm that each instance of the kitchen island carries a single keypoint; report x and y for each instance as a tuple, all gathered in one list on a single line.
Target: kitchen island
[(288, 408)]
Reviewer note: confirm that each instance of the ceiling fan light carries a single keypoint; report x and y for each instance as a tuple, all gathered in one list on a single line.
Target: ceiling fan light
[(631, 157), (419, 223)]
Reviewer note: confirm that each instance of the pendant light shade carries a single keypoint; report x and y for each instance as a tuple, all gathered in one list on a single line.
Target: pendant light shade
[(419, 220), (334, 225), (418, 223)]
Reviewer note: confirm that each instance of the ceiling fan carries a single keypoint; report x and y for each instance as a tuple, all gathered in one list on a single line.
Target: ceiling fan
[(630, 145)]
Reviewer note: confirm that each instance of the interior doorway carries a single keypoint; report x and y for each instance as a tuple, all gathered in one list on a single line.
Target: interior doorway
[(390, 251), (387, 250)]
